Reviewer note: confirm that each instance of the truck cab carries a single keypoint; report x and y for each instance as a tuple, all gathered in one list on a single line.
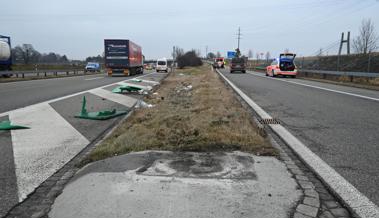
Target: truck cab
[(122, 57)]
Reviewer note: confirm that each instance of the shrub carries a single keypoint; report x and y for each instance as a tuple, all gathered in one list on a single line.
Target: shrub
[(189, 59)]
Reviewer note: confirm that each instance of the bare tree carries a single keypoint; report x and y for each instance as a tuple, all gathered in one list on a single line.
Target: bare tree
[(177, 52), (211, 55), (26, 53), (367, 39)]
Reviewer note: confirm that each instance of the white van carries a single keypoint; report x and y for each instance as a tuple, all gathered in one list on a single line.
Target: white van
[(161, 65)]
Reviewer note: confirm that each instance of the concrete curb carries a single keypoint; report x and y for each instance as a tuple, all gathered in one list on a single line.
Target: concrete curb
[(356, 202)]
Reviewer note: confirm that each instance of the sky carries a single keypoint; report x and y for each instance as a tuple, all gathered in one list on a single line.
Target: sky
[(77, 28)]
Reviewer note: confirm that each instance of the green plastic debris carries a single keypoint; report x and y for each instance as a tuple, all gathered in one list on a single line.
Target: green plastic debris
[(128, 88), (7, 125), (101, 115)]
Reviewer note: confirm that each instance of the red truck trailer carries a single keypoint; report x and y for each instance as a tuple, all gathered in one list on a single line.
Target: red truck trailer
[(122, 57)]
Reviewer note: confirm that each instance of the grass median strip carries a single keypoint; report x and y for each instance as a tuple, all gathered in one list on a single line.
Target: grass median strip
[(192, 111)]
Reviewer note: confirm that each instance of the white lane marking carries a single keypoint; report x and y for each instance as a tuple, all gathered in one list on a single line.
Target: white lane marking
[(44, 148), (121, 99), (135, 85), (68, 96), (318, 87), (358, 202), (149, 81), (94, 78)]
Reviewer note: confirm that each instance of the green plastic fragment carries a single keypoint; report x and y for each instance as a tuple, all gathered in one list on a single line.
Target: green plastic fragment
[(128, 88), (7, 125), (101, 115)]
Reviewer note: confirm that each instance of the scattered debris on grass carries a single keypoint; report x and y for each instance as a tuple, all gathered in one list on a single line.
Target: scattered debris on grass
[(191, 111)]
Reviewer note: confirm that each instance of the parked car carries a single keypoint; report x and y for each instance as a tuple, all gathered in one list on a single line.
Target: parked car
[(218, 63), (283, 66), (238, 64), (161, 65), (92, 67)]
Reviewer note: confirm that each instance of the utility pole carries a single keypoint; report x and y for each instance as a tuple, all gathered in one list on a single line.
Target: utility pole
[(343, 40), (206, 52), (173, 58), (347, 41), (239, 37)]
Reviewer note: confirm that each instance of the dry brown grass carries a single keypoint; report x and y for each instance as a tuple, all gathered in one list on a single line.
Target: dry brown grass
[(206, 118)]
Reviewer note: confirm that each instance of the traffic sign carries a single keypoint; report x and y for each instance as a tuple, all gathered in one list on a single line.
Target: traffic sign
[(231, 54)]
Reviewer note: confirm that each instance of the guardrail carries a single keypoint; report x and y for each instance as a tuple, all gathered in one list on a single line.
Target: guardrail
[(41, 73)]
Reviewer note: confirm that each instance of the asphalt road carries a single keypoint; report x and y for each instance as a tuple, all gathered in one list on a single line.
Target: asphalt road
[(23, 93), (30, 156), (338, 123)]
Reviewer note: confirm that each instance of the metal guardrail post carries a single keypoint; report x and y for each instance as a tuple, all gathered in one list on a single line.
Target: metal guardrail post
[(369, 62), (23, 76), (67, 73), (45, 74)]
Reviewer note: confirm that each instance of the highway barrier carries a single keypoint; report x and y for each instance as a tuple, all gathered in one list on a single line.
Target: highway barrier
[(42, 73)]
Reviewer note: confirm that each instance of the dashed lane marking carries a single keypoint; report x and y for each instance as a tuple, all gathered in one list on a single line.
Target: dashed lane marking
[(94, 78)]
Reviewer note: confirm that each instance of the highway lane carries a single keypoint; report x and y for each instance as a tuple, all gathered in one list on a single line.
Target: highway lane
[(30, 156), (23, 93), (338, 123)]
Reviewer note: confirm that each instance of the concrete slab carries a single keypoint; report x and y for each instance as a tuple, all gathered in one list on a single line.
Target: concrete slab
[(179, 185)]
